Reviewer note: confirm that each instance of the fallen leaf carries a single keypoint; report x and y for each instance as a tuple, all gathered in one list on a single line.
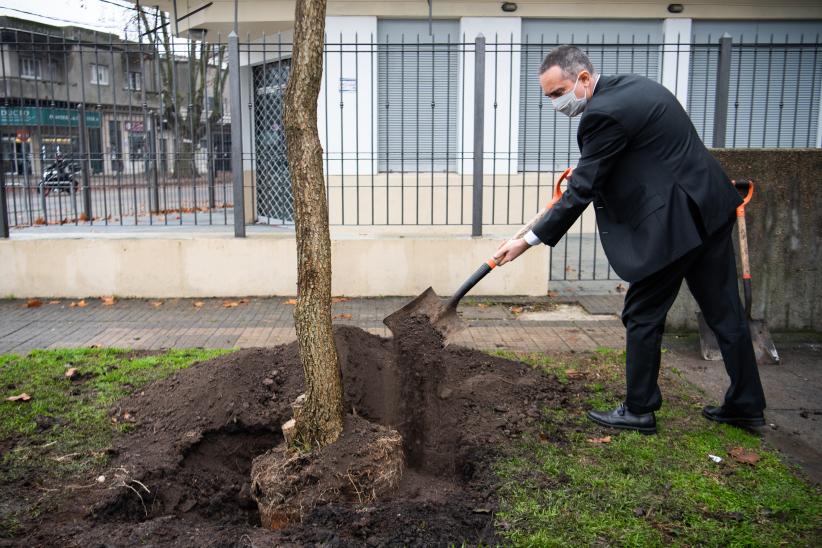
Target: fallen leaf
[(156, 304), (198, 304), (516, 310), (573, 373), (94, 346), (606, 439), (231, 304), (19, 397), (71, 372), (340, 299), (54, 302), (243, 301), (342, 317), (290, 301), (740, 454), (108, 301), (482, 305), (34, 303), (79, 304)]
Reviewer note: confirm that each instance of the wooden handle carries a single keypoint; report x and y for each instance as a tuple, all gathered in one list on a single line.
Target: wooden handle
[(555, 197)]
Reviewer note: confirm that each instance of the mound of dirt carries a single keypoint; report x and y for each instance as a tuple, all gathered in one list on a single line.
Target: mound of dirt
[(182, 476)]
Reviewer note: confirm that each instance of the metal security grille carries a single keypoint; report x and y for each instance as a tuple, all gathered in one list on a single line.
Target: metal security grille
[(417, 96), (774, 92), (547, 140), (274, 200)]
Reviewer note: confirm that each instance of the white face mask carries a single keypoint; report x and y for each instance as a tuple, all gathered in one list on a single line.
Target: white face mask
[(568, 103)]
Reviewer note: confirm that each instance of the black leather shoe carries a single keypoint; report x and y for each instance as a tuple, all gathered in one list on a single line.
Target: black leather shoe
[(625, 420), (735, 418)]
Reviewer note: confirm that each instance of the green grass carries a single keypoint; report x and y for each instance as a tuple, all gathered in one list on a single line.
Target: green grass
[(649, 490), (78, 410)]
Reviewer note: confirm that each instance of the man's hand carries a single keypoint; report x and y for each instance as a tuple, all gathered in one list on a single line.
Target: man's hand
[(510, 250)]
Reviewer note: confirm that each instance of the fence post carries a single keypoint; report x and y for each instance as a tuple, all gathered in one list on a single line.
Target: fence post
[(85, 163), (4, 212), (154, 194), (479, 133), (236, 133), (723, 81)]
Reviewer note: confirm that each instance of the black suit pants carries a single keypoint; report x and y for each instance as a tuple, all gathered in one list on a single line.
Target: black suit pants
[(710, 271)]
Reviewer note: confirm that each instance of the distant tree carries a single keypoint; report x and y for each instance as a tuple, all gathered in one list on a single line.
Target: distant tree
[(183, 112)]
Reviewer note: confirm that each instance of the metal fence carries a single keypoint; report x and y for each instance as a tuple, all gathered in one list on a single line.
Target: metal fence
[(416, 130)]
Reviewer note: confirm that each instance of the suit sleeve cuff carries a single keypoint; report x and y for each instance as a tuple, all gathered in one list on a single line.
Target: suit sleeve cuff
[(532, 238)]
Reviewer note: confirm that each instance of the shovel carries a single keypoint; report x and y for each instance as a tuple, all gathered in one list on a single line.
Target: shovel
[(764, 348), (443, 317)]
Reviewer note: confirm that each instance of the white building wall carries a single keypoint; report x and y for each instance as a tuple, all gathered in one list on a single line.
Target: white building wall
[(506, 64), (676, 57), (349, 80)]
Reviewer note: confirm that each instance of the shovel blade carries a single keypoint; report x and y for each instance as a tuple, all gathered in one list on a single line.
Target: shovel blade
[(708, 346), (442, 318), (764, 348), (763, 345)]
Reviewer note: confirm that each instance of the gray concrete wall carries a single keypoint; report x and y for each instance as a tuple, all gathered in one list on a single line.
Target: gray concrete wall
[(784, 232)]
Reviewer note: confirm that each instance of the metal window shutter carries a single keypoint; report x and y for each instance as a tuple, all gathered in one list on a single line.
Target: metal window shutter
[(547, 139), (417, 86), (770, 102)]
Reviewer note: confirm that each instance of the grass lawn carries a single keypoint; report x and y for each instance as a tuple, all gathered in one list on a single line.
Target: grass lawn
[(574, 484), (62, 432)]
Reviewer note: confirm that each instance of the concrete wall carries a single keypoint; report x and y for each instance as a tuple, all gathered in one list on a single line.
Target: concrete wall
[(784, 238), (197, 265)]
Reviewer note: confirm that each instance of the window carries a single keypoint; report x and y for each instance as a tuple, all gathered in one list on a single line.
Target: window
[(134, 81), (136, 146), (99, 74), (31, 68)]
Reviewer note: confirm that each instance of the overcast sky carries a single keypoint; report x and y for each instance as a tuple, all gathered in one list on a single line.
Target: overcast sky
[(96, 14)]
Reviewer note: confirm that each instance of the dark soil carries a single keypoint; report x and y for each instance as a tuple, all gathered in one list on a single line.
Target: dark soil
[(182, 476)]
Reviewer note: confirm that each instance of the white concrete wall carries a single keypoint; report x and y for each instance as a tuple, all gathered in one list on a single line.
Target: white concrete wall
[(505, 87), (197, 265), (348, 79), (676, 58)]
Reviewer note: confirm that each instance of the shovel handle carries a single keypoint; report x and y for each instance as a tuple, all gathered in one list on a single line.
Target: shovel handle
[(491, 264), (742, 228)]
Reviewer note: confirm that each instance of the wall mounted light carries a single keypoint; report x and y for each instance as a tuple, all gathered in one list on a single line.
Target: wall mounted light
[(509, 7), (675, 8)]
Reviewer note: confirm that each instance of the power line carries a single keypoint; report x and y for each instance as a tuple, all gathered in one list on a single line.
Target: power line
[(82, 23)]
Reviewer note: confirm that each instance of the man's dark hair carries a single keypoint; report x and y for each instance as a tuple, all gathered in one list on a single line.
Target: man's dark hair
[(570, 59)]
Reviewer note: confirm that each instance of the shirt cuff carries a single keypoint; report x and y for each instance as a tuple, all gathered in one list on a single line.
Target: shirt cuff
[(532, 238)]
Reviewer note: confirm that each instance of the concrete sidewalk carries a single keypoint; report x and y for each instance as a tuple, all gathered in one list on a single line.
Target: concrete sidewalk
[(570, 324)]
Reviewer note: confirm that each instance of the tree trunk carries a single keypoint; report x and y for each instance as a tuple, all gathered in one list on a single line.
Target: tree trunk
[(320, 420)]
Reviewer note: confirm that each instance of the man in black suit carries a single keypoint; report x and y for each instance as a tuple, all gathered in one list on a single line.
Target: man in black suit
[(665, 211)]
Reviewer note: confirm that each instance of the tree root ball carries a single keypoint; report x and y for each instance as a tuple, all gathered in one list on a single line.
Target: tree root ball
[(363, 464)]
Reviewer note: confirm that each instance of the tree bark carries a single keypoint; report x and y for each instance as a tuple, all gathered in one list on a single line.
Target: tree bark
[(320, 419)]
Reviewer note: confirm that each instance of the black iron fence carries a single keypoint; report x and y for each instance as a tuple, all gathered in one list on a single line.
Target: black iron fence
[(417, 130)]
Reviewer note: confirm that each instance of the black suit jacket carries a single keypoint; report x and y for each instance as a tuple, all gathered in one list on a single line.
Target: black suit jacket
[(656, 189)]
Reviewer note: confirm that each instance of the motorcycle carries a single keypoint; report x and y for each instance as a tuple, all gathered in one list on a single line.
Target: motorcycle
[(60, 175)]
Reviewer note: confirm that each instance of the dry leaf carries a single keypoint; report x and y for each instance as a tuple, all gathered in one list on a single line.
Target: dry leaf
[(482, 305), (108, 301), (156, 304), (79, 304), (198, 304), (34, 303), (19, 397), (340, 299), (290, 301), (606, 439), (54, 302), (71, 372), (740, 454), (573, 373), (516, 310), (230, 304), (243, 301), (342, 317)]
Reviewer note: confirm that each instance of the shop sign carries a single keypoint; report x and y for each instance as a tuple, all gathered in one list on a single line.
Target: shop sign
[(49, 117)]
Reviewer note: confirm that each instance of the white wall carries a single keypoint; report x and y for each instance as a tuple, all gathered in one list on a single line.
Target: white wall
[(505, 86), (676, 58), (348, 79)]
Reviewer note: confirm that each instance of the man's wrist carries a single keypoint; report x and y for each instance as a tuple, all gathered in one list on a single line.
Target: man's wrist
[(531, 238)]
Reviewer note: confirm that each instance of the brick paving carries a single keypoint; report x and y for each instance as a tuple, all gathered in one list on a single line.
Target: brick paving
[(228, 323)]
